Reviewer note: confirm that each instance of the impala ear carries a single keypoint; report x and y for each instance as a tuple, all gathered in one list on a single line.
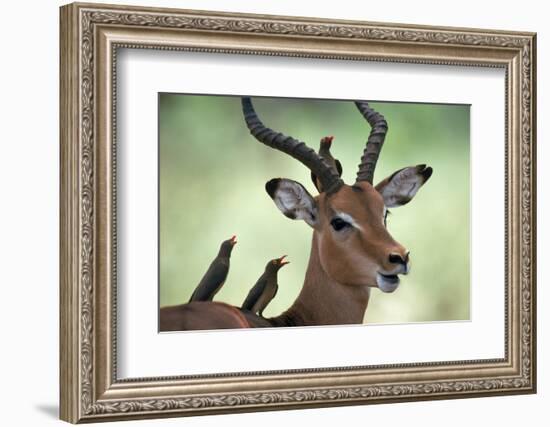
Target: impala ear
[(293, 200), (399, 188)]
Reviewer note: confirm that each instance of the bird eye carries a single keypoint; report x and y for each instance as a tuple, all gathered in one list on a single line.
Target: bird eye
[(339, 224)]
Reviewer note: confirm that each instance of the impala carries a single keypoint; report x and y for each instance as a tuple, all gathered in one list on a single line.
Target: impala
[(351, 248)]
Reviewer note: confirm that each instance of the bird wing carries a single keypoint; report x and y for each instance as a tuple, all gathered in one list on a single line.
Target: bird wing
[(276, 290), (254, 294), (212, 281), (266, 299), (193, 295), (338, 166)]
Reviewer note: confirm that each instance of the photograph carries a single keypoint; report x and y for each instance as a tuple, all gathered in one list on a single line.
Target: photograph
[(281, 212)]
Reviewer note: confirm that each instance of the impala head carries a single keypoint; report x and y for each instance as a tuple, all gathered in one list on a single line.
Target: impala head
[(355, 247)]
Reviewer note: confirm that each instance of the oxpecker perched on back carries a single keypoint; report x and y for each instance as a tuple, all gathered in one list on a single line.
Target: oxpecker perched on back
[(265, 288), (216, 274)]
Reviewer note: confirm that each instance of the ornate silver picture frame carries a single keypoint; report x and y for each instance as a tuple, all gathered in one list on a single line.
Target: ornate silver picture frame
[(91, 36)]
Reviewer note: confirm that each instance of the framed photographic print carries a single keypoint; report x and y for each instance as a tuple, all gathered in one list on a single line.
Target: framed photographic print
[(266, 212)]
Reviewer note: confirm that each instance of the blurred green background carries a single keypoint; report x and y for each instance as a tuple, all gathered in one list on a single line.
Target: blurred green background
[(212, 176)]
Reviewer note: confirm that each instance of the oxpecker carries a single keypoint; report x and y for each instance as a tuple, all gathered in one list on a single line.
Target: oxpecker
[(216, 274), (324, 152), (265, 288)]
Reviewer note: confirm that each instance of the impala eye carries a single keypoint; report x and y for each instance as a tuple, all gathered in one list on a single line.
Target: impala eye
[(339, 224)]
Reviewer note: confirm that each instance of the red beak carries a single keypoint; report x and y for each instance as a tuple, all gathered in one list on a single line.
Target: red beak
[(233, 240), (327, 140), (281, 261)]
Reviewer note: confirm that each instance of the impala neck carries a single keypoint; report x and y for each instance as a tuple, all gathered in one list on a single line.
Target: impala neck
[(323, 301)]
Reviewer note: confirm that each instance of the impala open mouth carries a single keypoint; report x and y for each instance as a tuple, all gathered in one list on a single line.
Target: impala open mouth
[(387, 282)]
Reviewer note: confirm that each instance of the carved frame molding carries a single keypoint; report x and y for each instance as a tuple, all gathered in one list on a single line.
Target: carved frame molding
[(90, 37)]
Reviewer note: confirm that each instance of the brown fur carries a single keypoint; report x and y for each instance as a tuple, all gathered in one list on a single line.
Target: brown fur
[(353, 258), (199, 315), (322, 300)]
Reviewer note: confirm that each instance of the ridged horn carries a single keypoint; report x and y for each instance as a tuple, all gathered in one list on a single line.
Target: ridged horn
[(379, 128), (328, 177)]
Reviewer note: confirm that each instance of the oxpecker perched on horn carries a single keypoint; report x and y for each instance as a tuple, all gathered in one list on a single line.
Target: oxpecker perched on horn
[(324, 152)]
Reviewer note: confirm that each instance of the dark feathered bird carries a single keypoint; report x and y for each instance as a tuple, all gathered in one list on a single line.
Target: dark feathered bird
[(265, 288), (215, 276), (324, 152)]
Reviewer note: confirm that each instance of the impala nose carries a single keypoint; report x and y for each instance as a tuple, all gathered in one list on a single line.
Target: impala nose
[(402, 259)]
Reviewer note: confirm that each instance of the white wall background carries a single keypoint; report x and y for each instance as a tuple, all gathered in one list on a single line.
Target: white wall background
[(29, 171)]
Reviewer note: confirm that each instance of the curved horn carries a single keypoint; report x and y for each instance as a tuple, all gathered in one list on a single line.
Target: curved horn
[(379, 127), (329, 178)]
